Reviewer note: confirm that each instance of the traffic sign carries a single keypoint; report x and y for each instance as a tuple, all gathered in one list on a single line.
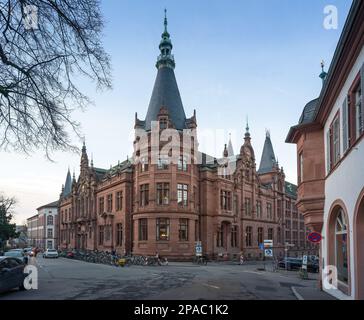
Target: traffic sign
[(268, 243), (198, 248), (261, 246), (304, 262), (314, 237), (268, 252)]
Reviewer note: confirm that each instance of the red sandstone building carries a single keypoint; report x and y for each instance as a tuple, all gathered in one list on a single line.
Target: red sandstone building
[(330, 153), (142, 206)]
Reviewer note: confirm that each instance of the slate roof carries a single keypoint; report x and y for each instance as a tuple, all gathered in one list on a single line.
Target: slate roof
[(291, 189), (50, 205), (166, 94), (68, 185), (268, 157), (309, 112)]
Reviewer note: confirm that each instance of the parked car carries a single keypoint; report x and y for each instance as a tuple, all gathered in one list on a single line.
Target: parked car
[(50, 253), (11, 273), (290, 263), (313, 266), (27, 251), (17, 254)]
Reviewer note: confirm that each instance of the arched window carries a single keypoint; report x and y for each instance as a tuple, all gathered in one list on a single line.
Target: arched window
[(341, 247), (50, 220)]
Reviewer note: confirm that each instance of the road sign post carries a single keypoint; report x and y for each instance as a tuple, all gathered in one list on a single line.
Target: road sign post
[(198, 249)]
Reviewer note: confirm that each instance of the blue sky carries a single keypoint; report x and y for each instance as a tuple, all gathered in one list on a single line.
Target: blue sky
[(256, 58)]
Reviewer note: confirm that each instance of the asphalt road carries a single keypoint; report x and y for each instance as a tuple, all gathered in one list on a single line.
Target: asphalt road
[(61, 279)]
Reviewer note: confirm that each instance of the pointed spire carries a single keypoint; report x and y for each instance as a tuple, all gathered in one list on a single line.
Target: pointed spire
[(166, 58), (92, 160), (323, 74), (247, 133), (226, 152), (67, 187), (268, 161), (84, 159), (230, 147)]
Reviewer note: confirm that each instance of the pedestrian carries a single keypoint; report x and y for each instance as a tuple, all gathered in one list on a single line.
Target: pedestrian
[(241, 259)]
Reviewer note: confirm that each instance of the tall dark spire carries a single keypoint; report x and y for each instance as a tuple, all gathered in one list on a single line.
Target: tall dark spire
[(68, 185), (268, 157), (165, 92), (166, 58)]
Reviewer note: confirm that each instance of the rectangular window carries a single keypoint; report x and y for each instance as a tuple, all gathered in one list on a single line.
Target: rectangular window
[(50, 233), (162, 229), (300, 168), (183, 230), (182, 194), (119, 201), (101, 235), (101, 205), (260, 236), (234, 236), (328, 151), (269, 211), (109, 203), (270, 234), (345, 111), (249, 236), (162, 193), (259, 209), (108, 232), (288, 224), (163, 163), (359, 112), (248, 208), (144, 195), (144, 164), (143, 229), (333, 143), (182, 163), (119, 234), (225, 200)]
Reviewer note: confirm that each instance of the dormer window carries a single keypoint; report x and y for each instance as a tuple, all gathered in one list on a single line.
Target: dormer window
[(163, 123)]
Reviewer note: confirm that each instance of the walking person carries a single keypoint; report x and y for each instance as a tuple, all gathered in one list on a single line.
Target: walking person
[(241, 259)]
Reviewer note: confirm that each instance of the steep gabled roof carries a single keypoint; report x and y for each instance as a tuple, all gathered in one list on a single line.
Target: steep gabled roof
[(68, 185), (166, 94), (268, 157)]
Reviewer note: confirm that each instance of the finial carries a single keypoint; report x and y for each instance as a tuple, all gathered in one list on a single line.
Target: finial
[(247, 124), (92, 160), (267, 133), (165, 19), (323, 74)]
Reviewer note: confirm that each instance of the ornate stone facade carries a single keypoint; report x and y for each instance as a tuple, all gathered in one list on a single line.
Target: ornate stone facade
[(142, 206)]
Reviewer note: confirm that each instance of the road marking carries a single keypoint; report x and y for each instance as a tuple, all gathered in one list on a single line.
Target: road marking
[(208, 285), (298, 296)]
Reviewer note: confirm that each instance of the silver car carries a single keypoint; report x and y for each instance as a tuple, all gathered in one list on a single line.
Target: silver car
[(50, 253)]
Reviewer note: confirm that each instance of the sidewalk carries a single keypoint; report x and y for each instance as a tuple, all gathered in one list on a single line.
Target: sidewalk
[(311, 293)]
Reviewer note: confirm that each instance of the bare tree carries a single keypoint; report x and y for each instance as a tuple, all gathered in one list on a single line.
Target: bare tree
[(7, 229), (45, 46)]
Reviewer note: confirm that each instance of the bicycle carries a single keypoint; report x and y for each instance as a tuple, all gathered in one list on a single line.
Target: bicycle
[(200, 260)]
